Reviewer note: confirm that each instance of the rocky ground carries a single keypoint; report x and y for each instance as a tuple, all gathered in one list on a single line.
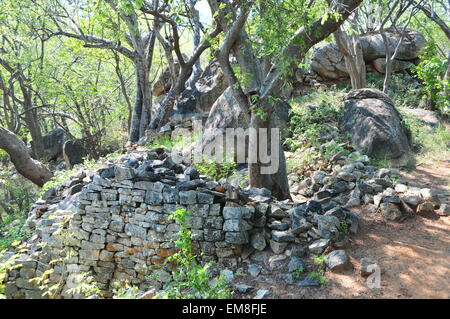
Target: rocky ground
[(414, 255)]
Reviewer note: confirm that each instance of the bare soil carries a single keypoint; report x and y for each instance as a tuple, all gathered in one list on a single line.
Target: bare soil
[(414, 255)]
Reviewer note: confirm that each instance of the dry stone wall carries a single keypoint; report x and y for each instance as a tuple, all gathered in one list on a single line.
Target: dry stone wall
[(117, 227)]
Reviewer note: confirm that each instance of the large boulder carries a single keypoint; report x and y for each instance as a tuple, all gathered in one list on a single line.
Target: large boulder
[(425, 116), (53, 143), (375, 125), (328, 61), (226, 113), (164, 82), (397, 65), (373, 46), (198, 101), (73, 153)]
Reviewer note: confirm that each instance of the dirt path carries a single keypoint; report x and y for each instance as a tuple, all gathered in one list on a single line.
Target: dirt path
[(414, 256)]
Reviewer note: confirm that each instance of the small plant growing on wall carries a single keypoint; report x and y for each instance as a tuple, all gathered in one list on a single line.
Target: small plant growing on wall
[(190, 279)]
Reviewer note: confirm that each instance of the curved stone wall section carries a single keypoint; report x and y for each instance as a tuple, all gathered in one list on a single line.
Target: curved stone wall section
[(118, 228)]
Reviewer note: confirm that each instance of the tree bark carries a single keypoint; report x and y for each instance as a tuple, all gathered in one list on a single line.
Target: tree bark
[(196, 70), (31, 169), (353, 56), (31, 120), (447, 76), (433, 16)]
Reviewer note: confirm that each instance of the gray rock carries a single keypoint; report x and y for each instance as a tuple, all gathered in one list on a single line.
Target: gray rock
[(336, 260), (298, 251), (170, 195), (283, 236), (277, 262), (300, 225), (285, 277), (425, 116), (337, 212), (236, 225), (313, 206), (397, 65), (227, 274), (318, 177), (136, 231), (204, 198), (123, 173), (328, 226), (391, 199), (340, 187), (425, 208), (243, 289), (329, 62), (444, 210), (230, 212), (277, 247), (430, 196), (307, 281), (277, 212), (188, 197), (277, 225), (318, 246), (225, 114), (53, 143), (413, 200), (238, 238), (254, 270), (390, 211), (353, 220), (296, 263), (375, 125), (258, 241)]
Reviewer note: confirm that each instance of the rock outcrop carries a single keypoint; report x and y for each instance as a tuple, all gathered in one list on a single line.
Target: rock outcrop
[(73, 153), (226, 113), (53, 143), (164, 82), (198, 101), (329, 62), (375, 125)]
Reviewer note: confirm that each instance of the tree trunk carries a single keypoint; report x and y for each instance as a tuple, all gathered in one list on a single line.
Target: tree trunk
[(142, 103), (31, 120), (163, 112), (31, 169), (276, 181), (387, 78), (271, 86), (447, 77), (197, 70), (353, 56)]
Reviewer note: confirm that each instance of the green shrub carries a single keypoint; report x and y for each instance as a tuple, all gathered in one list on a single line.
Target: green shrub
[(429, 143), (430, 71), (298, 273), (215, 170), (343, 228), (190, 279), (319, 260), (319, 275), (309, 123)]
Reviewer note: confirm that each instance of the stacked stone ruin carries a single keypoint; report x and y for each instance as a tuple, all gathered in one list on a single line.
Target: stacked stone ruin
[(116, 224)]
